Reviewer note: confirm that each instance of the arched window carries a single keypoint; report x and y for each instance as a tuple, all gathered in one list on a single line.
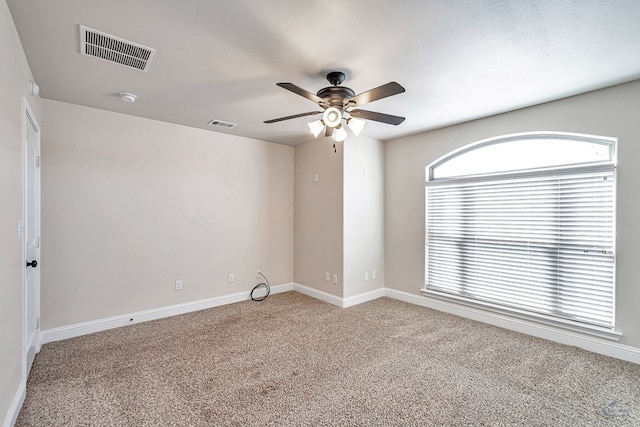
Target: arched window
[(525, 223)]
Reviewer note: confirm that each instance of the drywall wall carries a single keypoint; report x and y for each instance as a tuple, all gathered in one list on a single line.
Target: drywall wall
[(339, 218), (609, 112), (363, 215), (130, 205), (318, 215), (14, 84)]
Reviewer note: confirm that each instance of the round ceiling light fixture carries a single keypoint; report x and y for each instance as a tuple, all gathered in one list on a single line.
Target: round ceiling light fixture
[(332, 117), (128, 97)]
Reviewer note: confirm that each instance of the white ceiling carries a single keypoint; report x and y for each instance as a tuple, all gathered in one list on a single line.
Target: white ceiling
[(458, 60)]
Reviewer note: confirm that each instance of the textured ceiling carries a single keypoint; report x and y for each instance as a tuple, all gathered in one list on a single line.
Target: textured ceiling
[(458, 60)]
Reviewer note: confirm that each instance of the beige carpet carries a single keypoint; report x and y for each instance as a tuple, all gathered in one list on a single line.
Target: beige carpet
[(295, 361)]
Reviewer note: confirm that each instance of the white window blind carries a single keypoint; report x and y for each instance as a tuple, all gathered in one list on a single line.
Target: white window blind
[(542, 242)]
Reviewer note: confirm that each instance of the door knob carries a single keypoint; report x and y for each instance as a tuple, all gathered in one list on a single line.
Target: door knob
[(33, 263)]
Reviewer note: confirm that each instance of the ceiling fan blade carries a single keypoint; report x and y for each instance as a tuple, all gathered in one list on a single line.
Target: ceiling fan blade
[(328, 131), (378, 117), (390, 89), (295, 116), (298, 90)]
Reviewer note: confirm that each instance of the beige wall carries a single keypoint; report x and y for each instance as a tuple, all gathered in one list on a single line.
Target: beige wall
[(339, 220), (609, 112), (130, 205), (319, 215), (14, 84), (363, 214)]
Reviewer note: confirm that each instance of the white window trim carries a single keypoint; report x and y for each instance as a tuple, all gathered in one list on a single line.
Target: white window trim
[(598, 331), (563, 323), (612, 142)]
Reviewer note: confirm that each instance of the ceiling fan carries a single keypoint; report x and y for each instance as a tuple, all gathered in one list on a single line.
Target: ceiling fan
[(340, 102)]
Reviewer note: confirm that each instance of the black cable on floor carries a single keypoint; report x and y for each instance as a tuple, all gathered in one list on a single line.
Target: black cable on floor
[(266, 286)]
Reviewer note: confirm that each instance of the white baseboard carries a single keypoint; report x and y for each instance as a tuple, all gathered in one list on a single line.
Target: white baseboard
[(16, 405), (336, 300), (593, 344), (78, 329), (363, 297), (317, 294)]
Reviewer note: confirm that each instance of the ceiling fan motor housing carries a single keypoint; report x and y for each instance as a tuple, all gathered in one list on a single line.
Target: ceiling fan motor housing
[(335, 95)]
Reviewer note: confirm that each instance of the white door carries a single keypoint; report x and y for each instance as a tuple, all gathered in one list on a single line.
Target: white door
[(31, 282)]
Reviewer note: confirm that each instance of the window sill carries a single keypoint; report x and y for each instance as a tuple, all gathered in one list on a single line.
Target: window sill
[(597, 331)]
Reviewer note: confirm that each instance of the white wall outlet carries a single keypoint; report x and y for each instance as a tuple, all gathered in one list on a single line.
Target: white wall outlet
[(373, 275), (335, 278), (258, 273), (316, 177), (232, 277), (178, 285), (366, 173), (326, 276), (366, 275)]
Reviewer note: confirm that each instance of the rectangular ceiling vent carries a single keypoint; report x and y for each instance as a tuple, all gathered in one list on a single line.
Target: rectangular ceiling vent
[(114, 49), (221, 124)]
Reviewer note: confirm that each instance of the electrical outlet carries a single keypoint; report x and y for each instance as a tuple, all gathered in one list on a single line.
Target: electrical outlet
[(366, 275), (316, 178), (232, 277), (335, 278), (178, 285), (258, 273), (373, 275), (326, 276)]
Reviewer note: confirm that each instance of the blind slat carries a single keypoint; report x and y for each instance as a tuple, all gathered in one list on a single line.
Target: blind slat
[(543, 243)]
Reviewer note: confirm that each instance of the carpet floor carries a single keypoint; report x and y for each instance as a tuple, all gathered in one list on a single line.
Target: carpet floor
[(292, 360)]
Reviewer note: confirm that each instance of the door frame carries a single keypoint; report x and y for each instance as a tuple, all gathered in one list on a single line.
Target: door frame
[(29, 117)]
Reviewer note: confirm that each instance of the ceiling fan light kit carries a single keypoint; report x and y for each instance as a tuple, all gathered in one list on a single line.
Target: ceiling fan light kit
[(339, 134), (316, 127), (332, 117), (356, 125), (340, 102)]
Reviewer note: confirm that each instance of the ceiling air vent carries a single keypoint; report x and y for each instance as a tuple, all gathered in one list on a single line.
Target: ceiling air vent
[(221, 124), (114, 49)]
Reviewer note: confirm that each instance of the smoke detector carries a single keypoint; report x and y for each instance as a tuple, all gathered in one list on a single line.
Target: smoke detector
[(128, 97)]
